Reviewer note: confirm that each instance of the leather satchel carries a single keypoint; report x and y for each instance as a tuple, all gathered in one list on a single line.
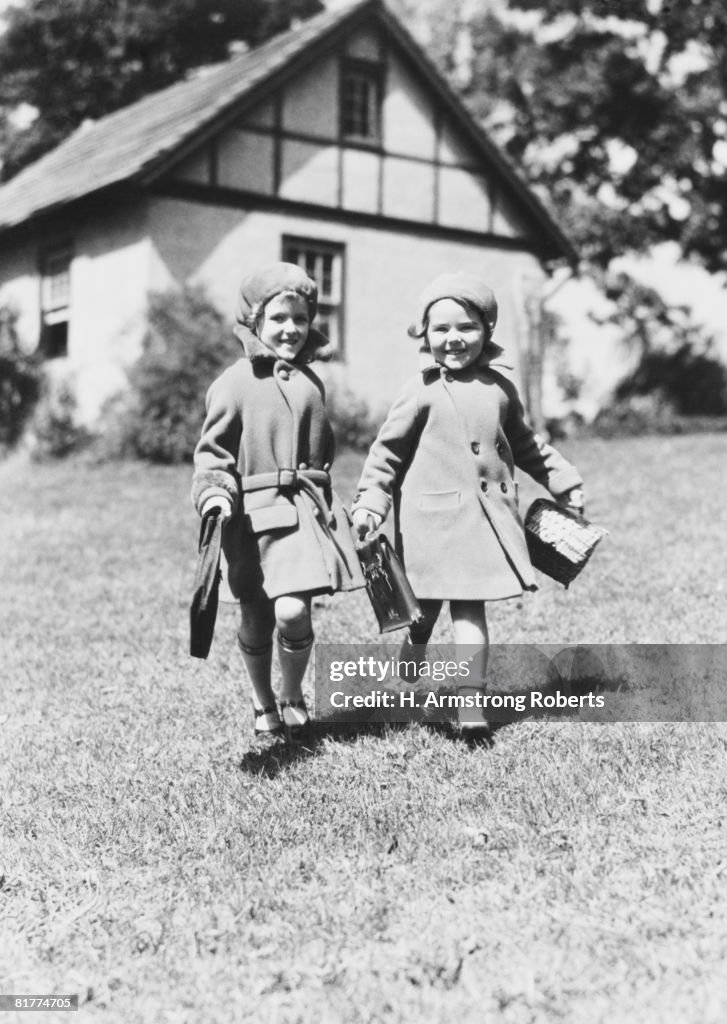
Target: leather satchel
[(205, 597), (389, 590)]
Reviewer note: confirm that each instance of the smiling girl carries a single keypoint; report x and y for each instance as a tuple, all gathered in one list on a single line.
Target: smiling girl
[(445, 459), (263, 462)]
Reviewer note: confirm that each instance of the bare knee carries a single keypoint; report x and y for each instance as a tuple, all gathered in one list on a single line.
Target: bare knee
[(292, 616), (469, 622)]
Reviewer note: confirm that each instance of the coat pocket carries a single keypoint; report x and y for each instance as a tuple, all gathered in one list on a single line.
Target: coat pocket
[(274, 517), (438, 501)]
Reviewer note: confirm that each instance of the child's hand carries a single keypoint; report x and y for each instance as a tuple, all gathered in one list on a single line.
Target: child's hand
[(219, 504), (573, 501), (365, 522)]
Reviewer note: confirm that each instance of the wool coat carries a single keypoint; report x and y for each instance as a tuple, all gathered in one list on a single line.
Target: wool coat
[(445, 458), (267, 444)]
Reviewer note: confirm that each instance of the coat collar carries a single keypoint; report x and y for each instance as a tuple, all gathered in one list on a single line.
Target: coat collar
[(317, 346), (492, 356)]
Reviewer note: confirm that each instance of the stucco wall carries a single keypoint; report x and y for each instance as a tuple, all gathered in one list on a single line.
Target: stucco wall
[(384, 273), (109, 281)]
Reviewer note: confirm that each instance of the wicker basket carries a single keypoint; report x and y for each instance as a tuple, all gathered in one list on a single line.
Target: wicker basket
[(559, 542)]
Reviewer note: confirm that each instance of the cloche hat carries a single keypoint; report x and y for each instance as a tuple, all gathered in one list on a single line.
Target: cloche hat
[(462, 287)]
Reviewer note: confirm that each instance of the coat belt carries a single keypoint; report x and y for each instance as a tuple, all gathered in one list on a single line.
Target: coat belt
[(315, 482), (280, 478)]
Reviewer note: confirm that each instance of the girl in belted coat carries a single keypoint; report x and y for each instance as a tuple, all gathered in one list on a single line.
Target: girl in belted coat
[(264, 461), (445, 458)]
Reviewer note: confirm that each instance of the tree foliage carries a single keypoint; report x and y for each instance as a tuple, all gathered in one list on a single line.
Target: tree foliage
[(616, 110), (77, 59)]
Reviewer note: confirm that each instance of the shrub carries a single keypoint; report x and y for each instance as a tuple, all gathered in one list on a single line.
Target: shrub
[(676, 358), (350, 418), (635, 415), (20, 382), (187, 345), (55, 430), (695, 383)]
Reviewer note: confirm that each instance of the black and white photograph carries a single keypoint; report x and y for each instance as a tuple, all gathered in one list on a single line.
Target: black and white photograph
[(363, 543)]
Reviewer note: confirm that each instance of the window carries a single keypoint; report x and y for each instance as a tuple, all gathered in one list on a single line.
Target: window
[(323, 262), (55, 300), (360, 103)]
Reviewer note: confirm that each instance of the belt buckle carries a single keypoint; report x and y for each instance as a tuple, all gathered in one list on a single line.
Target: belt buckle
[(287, 478)]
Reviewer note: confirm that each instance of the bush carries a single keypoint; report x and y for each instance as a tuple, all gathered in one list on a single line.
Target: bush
[(350, 418), (187, 345), (55, 431), (20, 382), (678, 384), (635, 415), (695, 383)]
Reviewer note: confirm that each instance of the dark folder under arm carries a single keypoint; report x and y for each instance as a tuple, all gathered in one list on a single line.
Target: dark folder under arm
[(205, 597)]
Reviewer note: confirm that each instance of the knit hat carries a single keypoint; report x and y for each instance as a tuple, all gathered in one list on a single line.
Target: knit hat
[(462, 287), (259, 288)]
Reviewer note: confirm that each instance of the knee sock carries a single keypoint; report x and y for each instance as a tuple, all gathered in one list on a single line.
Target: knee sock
[(293, 656), (258, 662)]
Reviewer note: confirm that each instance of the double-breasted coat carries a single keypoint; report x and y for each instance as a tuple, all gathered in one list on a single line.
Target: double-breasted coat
[(445, 457), (267, 444)]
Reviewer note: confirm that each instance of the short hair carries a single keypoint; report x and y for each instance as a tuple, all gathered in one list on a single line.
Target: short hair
[(252, 319), (421, 332)]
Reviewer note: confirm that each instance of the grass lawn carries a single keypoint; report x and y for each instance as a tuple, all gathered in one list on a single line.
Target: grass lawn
[(158, 863)]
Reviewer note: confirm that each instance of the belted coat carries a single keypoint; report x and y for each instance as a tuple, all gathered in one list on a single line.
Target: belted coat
[(445, 458), (268, 445)]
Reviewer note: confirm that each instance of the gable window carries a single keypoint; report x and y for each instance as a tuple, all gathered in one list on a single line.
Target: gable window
[(361, 102), (323, 262), (55, 302)]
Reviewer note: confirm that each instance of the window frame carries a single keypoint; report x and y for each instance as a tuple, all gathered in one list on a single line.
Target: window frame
[(55, 265), (331, 303), (372, 73)]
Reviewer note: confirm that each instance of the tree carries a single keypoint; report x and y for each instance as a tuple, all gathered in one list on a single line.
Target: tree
[(71, 60), (615, 110)]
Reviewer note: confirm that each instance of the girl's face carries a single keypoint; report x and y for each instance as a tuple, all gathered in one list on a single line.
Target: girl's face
[(455, 335), (285, 325)]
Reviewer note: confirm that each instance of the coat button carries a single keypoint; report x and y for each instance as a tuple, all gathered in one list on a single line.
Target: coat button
[(499, 448), (448, 377), (326, 467), (284, 374), (483, 485), (503, 487), (475, 446), (303, 465)]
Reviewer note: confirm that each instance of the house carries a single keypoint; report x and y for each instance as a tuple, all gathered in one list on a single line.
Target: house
[(336, 145)]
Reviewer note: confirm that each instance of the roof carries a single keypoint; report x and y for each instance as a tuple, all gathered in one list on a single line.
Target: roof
[(135, 144)]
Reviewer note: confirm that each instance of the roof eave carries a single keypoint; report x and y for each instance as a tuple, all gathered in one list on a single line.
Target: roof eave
[(78, 206)]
